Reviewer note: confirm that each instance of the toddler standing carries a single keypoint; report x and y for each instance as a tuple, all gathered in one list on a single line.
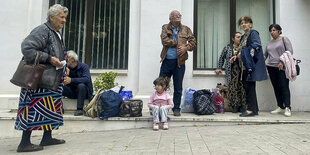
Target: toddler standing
[(160, 103)]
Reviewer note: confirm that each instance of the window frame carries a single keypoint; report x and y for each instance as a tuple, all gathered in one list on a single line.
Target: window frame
[(232, 24)]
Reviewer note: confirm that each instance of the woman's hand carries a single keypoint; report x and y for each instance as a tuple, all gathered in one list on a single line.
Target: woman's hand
[(55, 62), (233, 59), (218, 71), (280, 66)]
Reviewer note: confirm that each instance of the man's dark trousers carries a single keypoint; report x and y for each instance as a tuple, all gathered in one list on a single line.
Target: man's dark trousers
[(170, 68), (78, 92)]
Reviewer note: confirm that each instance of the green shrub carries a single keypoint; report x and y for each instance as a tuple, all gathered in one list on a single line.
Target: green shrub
[(105, 81)]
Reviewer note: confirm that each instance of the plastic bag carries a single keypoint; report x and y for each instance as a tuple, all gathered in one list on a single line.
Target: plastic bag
[(218, 100), (187, 105), (126, 95)]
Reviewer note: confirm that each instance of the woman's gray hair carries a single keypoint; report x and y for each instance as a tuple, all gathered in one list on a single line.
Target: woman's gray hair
[(72, 54), (55, 10)]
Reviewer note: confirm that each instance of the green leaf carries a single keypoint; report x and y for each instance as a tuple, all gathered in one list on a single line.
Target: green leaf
[(105, 81)]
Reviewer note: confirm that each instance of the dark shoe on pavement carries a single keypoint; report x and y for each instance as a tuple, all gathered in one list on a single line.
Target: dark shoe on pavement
[(241, 109), (246, 114), (235, 109), (30, 148), (52, 141), (176, 113), (78, 113)]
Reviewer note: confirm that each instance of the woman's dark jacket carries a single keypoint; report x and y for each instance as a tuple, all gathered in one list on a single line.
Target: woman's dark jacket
[(254, 62), (45, 40), (226, 54)]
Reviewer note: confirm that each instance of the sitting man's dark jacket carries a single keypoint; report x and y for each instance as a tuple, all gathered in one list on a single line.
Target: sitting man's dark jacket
[(80, 86)]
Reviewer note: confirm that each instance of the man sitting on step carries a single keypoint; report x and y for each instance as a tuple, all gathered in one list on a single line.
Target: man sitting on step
[(78, 83)]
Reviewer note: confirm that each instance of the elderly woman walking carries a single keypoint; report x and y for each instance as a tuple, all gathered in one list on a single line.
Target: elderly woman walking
[(41, 109)]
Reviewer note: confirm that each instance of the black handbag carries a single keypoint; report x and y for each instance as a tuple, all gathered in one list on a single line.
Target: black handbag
[(28, 75), (297, 66), (297, 61)]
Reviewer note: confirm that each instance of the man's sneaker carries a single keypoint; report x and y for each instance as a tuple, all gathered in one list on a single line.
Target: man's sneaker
[(287, 112), (278, 110), (176, 113), (78, 113), (155, 127)]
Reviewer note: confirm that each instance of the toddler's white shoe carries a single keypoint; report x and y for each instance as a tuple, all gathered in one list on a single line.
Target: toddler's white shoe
[(155, 127), (165, 126)]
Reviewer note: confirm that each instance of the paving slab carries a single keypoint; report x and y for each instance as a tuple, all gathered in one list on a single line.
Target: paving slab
[(272, 139)]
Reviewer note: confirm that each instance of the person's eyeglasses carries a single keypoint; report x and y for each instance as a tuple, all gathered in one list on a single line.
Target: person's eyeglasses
[(178, 15)]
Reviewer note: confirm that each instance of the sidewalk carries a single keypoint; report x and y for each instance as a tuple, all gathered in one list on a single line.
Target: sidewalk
[(75, 124), (276, 139)]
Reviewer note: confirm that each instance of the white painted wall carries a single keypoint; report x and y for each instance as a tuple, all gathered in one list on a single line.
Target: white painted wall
[(146, 20), (17, 19), (295, 20)]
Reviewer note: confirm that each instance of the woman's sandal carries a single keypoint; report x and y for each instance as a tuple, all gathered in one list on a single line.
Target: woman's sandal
[(30, 148), (52, 141)]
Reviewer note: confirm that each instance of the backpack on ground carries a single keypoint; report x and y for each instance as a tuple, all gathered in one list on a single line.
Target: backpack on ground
[(131, 108), (203, 102), (108, 104)]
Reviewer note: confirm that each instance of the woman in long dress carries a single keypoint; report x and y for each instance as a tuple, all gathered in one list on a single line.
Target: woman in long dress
[(236, 92), (41, 109)]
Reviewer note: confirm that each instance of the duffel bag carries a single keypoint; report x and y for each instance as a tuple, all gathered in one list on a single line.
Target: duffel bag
[(203, 102), (131, 108)]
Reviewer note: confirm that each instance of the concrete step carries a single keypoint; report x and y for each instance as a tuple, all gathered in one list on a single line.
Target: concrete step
[(85, 124), (70, 104), (10, 102)]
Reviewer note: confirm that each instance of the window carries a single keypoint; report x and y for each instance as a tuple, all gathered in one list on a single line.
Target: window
[(216, 20), (98, 31), (213, 31)]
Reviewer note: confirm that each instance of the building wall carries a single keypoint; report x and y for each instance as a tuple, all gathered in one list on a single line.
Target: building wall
[(17, 19), (294, 18), (146, 19)]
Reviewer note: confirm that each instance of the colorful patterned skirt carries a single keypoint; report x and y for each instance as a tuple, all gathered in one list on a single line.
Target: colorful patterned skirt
[(39, 109)]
